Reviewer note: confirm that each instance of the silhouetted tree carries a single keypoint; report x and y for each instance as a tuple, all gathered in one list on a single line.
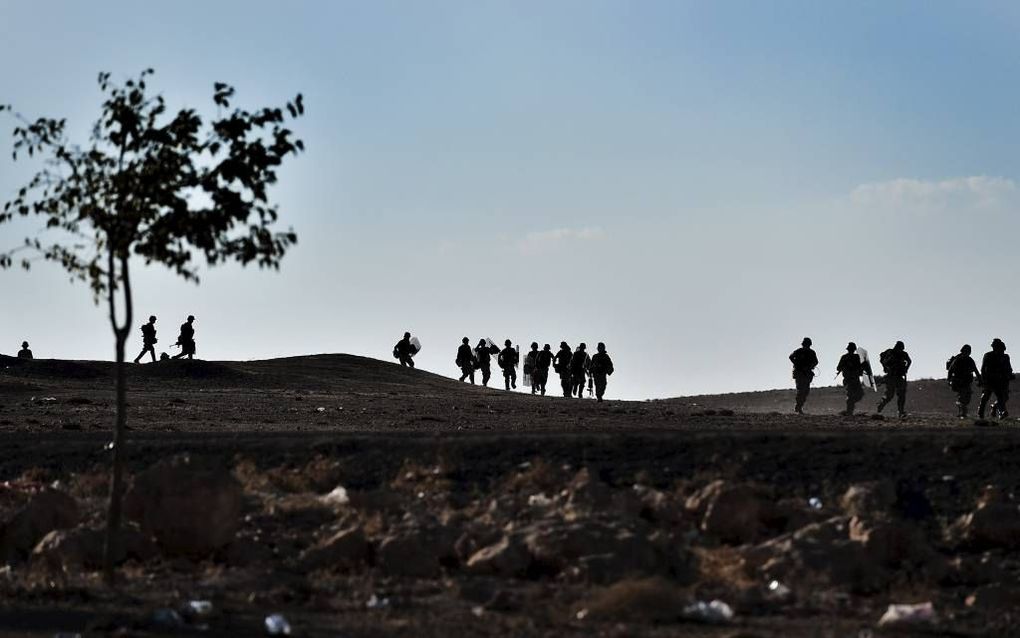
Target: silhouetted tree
[(154, 186)]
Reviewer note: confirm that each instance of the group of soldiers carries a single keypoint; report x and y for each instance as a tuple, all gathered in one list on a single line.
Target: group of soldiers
[(576, 368), (994, 376), (186, 340)]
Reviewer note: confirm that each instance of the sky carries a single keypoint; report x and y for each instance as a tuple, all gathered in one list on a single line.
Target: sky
[(697, 184)]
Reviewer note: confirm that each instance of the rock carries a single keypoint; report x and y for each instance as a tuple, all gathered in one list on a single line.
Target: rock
[(507, 558), (588, 492), (868, 499), (891, 543), (736, 514), (346, 548), (819, 555), (191, 510), (993, 524), (408, 554), (554, 545), (243, 552), (974, 570), (995, 597), (30, 518), (83, 547)]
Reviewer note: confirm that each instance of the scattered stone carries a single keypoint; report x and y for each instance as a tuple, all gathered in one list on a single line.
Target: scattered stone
[(868, 499), (994, 524), (189, 509), (346, 548), (507, 558), (735, 513), (84, 547), (408, 554), (22, 527)]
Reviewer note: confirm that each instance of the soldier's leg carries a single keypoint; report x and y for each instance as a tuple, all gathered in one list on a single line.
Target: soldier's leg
[(513, 378), (963, 399), (1001, 397), (600, 387), (486, 375), (901, 395), (890, 391), (152, 353), (986, 394), (803, 387)]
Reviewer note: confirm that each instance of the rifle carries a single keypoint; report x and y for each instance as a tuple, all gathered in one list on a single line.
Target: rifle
[(591, 385)]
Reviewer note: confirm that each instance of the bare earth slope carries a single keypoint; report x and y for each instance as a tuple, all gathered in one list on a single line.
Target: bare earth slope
[(481, 464)]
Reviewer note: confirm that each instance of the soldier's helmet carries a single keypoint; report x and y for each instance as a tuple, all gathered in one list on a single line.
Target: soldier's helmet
[(601, 347), (806, 342), (899, 346), (547, 347), (998, 345), (507, 343), (563, 344), (24, 344), (465, 340), (152, 318), (965, 349), (191, 318), (581, 347), (534, 345), (407, 335), (851, 347)]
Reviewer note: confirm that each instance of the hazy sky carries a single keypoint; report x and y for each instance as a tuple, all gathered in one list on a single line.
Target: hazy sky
[(698, 184)]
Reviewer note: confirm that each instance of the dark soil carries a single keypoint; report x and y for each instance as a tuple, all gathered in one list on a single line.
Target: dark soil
[(374, 422)]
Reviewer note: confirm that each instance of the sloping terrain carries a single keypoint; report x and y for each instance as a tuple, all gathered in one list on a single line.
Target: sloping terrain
[(479, 512)]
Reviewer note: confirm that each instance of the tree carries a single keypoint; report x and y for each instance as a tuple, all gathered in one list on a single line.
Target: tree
[(152, 186)]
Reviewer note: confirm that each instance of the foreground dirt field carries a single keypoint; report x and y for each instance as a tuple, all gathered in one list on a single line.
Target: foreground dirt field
[(477, 512)]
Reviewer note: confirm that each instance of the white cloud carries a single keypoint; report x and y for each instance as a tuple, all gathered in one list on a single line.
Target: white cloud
[(955, 194), (548, 239)]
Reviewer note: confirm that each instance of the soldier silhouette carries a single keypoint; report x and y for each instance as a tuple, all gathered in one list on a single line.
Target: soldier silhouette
[(466, 360), (996, 373), (148, 340), (851, 367), (896, 363), (804, 362), (562, 367), (961, 372), (601, 367), (186, 340)]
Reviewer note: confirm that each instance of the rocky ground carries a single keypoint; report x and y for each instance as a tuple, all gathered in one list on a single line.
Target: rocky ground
[(356, 498)]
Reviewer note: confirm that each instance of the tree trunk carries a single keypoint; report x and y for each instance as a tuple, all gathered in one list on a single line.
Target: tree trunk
[(117, 482)]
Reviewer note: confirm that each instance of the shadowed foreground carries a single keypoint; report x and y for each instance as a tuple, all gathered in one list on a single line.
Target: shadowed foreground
[(485, 513)]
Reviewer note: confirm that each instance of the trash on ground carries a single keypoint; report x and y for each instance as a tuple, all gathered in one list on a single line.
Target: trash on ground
[(716, 612), (277, 625), (921, 613), (375, 602), (338, 496)]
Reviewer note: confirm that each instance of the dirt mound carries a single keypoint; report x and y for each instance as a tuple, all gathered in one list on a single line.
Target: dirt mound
[(184, 369), (53, 368)]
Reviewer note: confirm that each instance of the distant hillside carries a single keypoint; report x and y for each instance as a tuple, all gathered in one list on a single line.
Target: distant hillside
[(362, 374), (923, 397)]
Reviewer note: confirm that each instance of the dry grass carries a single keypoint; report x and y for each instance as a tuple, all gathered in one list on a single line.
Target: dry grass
[(645, 600)]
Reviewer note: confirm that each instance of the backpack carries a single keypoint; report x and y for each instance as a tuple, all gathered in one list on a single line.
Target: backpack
[(886, 360), (530, 362)]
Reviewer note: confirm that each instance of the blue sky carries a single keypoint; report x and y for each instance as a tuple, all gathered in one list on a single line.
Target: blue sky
[(698, 184)]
